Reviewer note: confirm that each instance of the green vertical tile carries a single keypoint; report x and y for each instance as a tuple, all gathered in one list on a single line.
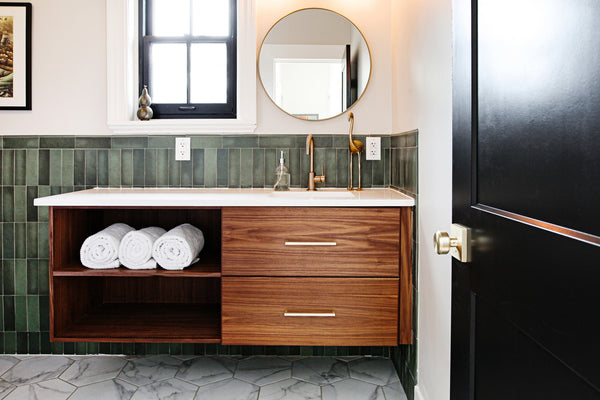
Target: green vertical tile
[(342, 168), (33, 313), (150, 167), (271, 161), (140, 348), (175, 348), (43, 243), (130, 142), (34, 343), (20, 167), (187, 171), (21, 313), (174, 169), (210, 167), (222, 167), (188, 348), (102, 168), (329, 351), (306, 351), (8, 201), (10, 342), (8, 277), (161, 142), (57, 348), (45, 346), (92, 348), (20, 196), (56, 167), (330, 167), (126, 167), (81, 348), (378, 172), (32, 211), (57, 142), (32, 276), (198, 168), (32, 167), (162, 167), (129, 348), (44, 313), (367, 171), (246, 168), (163, 348), (79, 167), (91, 167), (21, 277), (9, 313), (114, 168), (138, 167), (8, 240), (152, 348), (44, 167), (234, 168), (258, 168), (43, 212), (22, 343), (293, 164), (8, 167), (69, 348), (32, 240)]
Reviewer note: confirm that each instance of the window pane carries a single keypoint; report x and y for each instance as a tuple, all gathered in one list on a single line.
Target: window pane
[(211, 17), (168, 73), (170, 17), (209, 73)]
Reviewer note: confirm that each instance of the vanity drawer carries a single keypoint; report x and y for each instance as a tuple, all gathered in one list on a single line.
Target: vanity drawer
[(310, 241), (310, 311)]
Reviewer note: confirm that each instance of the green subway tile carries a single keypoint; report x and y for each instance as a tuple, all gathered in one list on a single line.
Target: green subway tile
[(8, 277), (8, 201), (20, 167), (114, 168), (385, 155), (20, 240), (330, 351), (341, 141), (240, 141), (43, 246), (57, 142), (304, 167), (1, 243), (9, 313), (129, 142), (21, 313), (222, 167), (32, 240), (102, 167), (92, 348), (32, 167), (293, 164), (210, 167), (43, 212), (152, 348), (234, 168), (33, 313), (81, 348), (140, 348), (306, 351), (271, 162), (207, 142), (91, 167), (150, 168), (92, 142), (20, 205), (20, 277), (10, 342), (69, 348), (22, 343), (45, 346), (258, 168), (128, 348), (323, 141), (21, 142), (139, 161), (161, 142), (187, 173), (175, 348), (367, 171), (68, 166), (44, 167), (378, 172), (54, 190), (342, 168), (330, 167), (162, 167), (57, 348), (55, 167), (126, 167), (79, 167), (198, 167), (32, 276), (246, 168), (8, 167), (276, 141), (385, 142), (8, 240), (44, 313), (163, 348), (174, 169), (319, 164), (43, 277)]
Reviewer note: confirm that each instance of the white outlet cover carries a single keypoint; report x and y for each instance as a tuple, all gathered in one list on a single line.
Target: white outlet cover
[(373, 148), (182, 149)]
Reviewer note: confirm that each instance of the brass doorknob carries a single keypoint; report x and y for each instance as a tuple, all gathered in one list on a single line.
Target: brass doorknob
[(457, 243), (442, 242)]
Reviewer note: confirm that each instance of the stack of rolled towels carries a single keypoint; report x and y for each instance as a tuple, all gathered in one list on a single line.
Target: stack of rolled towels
[(120, 244)]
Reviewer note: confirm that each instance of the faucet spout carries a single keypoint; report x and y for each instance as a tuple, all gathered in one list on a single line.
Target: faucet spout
[(313, 179)]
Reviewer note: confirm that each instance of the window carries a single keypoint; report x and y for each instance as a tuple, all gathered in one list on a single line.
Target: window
[(188, 57)]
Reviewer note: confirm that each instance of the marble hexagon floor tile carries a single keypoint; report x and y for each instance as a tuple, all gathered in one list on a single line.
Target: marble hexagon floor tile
[(290, 389), (7, 362), (352, 389), (114, 389), (230, 389), (204, 370), (54, 389), (395, 391), (263, 370), (320, 370), (37, 369), (93, 369), (375, 370), (5, 388), (171, 389), (146, 370)]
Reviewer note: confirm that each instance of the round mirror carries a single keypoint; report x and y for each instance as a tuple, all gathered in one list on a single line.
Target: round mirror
[(314, 64)]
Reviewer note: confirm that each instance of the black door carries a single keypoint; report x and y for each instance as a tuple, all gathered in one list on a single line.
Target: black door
[(526, 153)]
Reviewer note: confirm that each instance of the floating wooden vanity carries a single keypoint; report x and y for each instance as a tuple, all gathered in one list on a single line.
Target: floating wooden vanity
[(317, 270)]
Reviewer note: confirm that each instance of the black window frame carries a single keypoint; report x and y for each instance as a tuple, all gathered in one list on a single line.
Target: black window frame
[(189, 110)]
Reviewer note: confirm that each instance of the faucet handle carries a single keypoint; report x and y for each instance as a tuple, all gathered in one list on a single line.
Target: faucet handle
[(321, 178)]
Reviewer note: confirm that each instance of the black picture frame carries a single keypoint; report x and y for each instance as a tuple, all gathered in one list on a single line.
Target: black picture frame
[(15, 56)]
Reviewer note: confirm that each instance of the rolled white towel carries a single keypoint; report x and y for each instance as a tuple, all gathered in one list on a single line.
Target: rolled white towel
[(179, 247), (101, 250), (135, 250)]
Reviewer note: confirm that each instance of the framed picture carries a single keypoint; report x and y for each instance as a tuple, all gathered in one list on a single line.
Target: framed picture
[(15, 56)]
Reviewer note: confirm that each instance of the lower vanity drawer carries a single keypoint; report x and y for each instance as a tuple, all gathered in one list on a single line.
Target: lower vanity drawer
[(310, 311)]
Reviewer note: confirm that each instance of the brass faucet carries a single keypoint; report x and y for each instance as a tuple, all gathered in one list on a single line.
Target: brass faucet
[(312, 178)]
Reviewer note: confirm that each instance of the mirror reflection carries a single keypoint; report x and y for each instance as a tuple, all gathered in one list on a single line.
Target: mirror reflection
[(314, 64)]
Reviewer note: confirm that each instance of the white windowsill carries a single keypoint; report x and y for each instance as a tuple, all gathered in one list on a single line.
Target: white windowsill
[(165, 126)]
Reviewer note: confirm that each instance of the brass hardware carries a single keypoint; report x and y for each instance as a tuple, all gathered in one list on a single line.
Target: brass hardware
[(310, 243), (356, 147), (308, 314), (457, 243), (312, 178)]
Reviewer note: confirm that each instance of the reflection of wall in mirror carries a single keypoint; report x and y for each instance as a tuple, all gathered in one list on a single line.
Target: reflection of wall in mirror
[(361, 62)]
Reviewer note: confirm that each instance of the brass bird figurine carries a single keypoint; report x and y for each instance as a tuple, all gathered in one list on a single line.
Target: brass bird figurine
[(356, 147)]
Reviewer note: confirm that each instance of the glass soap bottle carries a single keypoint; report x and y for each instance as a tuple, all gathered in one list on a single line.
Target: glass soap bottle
[(282, 176)]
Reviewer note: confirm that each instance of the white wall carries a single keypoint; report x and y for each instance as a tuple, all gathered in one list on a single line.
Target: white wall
[(422, 98)]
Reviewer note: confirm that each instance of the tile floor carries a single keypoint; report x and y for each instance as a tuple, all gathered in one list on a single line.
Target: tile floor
[(198, 378)]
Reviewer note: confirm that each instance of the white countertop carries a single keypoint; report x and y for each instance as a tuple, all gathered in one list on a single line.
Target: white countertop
[(190, 197)]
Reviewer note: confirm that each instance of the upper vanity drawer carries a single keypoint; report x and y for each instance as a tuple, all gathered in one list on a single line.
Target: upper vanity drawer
[(306, 241)]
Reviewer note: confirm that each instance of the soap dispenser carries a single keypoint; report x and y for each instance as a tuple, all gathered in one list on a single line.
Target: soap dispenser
[(282, 176)]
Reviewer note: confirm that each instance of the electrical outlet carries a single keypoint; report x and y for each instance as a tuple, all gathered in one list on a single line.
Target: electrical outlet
[(182, 148), (373, 148)]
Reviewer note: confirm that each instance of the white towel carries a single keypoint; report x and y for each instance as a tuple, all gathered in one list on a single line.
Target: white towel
[(179, 247), (135, 250), (101, 250)]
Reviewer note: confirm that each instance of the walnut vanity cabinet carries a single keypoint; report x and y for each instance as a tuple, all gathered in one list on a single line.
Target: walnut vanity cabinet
[(266, 276)]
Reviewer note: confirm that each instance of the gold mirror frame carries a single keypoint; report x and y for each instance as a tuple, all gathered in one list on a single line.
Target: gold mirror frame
[(355, 27)]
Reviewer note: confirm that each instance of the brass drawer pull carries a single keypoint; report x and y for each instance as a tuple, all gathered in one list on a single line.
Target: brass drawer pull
[(310, 243), (309, 314)]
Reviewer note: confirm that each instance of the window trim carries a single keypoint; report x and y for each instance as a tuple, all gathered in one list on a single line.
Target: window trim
[(122, 76)]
